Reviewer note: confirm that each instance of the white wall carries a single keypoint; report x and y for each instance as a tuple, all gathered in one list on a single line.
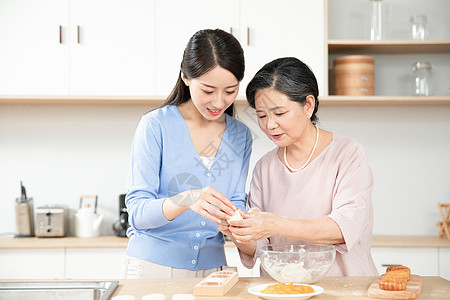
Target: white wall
[(62, 152)]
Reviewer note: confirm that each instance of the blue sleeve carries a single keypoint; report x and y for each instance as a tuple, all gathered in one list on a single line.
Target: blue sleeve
[(240, 197), (144, 208)]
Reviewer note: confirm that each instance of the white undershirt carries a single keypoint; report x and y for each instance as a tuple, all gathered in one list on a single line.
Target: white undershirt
[(207, 161)]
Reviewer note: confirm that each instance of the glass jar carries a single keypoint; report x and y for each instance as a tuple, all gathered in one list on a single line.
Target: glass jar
[(419, 27), (421, 79), (376, 20)]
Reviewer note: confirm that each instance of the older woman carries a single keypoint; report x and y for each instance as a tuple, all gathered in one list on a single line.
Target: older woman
[(315, 186)]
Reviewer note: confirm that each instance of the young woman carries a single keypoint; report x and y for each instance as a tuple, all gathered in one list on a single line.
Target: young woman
[(189, 165), (315, 186)]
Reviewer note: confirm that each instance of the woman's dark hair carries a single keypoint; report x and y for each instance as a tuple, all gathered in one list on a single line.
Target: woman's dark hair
[(205, 50), (289, 76)]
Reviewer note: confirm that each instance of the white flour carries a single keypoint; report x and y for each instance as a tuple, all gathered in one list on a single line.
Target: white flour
[(294, 272)]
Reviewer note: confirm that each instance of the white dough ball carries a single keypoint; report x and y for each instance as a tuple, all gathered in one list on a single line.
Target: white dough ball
[(123, 297), (236, 216), (154, 297), (183, 297)]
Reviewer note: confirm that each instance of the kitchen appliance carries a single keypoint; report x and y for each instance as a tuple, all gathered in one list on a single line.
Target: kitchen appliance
[(51, 221), (120, 227), (24, 214), (87, 221)]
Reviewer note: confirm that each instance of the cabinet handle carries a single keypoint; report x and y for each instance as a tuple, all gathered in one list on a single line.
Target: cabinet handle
[(60, 34), (78, 34), (231, 30), (248, 36)]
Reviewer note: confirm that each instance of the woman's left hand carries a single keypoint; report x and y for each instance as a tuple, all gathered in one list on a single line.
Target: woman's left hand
[(224, 227), (256, 225)]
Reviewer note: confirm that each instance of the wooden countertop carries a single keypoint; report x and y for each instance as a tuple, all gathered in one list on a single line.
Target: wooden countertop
[(8, 242), (335, 287)]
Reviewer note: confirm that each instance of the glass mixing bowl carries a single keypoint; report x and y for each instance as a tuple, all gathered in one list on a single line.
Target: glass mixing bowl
[(301, 263)]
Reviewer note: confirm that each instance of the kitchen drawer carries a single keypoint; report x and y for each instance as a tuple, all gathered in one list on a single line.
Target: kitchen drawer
[(444, 263), (421, 261), (32, 263), (94, 263)]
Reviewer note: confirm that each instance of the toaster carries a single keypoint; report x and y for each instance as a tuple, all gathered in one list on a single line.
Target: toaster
[(51, 221)]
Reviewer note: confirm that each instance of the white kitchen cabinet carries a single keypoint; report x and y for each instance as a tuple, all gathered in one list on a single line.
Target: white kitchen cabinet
[(444, 263), (421, 261), (176, 22), (112, 47), (33, 53), (77, 47), (94, 263), (233, 260), (262, 38), (32, 263), (273, 29), (134, 48)]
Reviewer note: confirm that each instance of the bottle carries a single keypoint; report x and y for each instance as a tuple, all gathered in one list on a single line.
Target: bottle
[(421, 78), (376, 20)]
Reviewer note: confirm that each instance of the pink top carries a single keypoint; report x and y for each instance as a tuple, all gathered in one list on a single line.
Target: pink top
[(337, 183)]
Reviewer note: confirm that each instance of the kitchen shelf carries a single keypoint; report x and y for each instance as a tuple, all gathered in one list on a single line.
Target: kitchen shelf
[(240, 101), (384, 100), (344, 35), (388, 46), (90, 100)]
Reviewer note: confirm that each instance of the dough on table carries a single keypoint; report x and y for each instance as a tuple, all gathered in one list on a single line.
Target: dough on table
[(154, 297), (183, 297)]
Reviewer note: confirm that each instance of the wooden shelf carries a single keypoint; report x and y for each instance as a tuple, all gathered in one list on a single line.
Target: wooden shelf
[(387, 46), (384, 100), (157, 101), (90, 100)]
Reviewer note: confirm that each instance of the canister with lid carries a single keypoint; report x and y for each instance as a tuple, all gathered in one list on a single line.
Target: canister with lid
[(354, 75), (421, 78)]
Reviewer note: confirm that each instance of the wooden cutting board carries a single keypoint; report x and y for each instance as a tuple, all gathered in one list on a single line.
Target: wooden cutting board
[(413, 289)]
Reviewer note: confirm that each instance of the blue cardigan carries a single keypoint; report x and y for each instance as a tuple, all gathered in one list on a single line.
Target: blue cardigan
[(164, 162)]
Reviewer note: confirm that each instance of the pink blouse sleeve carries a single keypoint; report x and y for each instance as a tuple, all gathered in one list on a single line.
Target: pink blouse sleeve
[(255, 200), (352, 205)]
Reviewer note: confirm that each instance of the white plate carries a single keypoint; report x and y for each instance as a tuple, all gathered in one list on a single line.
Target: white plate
[(256, 290)]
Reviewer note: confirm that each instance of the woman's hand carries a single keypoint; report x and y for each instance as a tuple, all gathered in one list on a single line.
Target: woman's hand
[(256, 225), (207, 202), (224, 227)]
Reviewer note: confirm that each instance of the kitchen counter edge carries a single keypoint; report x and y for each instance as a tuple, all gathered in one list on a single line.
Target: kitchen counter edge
[(335, 287), (110, 241)]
